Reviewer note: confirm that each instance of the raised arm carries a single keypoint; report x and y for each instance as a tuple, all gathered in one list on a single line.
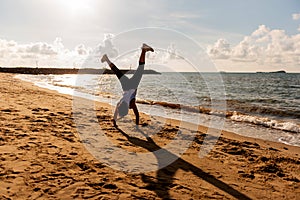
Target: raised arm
[(116, 115), (136, 112)]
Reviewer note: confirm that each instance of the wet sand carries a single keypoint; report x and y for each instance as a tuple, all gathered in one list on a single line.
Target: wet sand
[(43, 157)]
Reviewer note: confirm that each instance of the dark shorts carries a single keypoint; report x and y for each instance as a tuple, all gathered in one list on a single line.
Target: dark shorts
[(134, 81)]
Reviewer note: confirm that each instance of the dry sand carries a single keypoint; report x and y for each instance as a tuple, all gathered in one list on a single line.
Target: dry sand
[(42, 156)]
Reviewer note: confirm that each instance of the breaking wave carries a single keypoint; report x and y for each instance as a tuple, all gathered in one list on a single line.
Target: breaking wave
[(233, 115)]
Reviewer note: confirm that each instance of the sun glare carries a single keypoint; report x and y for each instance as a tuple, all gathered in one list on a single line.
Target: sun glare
[(76, 6)]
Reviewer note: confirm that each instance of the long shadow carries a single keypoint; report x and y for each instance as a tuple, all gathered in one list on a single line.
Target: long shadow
[(165, 174)]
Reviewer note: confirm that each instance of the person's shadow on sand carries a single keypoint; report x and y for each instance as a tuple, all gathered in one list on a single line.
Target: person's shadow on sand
[(164, 179)]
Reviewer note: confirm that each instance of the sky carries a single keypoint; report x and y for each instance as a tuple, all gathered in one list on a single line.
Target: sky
[(232, 35)]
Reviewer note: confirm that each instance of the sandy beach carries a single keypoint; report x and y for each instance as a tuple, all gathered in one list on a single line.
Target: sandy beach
[(43, 157)]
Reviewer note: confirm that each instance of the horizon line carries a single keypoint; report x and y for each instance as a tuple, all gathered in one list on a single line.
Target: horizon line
[(221, 71)]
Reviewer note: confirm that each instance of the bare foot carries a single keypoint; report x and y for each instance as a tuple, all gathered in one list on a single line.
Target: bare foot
[(104, 58), (146, 47)]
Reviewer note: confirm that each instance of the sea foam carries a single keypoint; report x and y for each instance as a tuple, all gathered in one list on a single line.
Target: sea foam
[(264, 121)]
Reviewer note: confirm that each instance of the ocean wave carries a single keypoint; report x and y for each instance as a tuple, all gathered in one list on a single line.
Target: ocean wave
[(233, 115), (295, 86), (248, 106), (197, 109), (67, 86), (264, 121)]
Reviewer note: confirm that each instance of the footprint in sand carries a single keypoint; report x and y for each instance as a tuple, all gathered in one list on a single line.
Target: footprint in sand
[(35, 168), (52, 149)]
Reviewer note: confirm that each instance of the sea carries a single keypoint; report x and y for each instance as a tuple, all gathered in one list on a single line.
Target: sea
[(258, 105)]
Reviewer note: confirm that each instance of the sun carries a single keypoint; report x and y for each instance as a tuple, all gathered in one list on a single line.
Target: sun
[(75, 6)]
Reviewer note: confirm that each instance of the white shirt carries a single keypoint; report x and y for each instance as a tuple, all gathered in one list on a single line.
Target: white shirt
[(128, 95)]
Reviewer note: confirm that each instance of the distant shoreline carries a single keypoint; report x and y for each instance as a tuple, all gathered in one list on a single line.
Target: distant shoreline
[(49, 70), (36, 71), (275, 72)]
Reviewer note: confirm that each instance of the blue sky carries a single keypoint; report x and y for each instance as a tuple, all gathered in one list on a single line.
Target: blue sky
[(33, 31)]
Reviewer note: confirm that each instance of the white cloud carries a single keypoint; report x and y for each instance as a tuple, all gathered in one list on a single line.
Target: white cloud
[(107, 47), (172, 53), (58, 44), (261, 31), (40, 53), (264, 47), (296, 16), (220, 50), (57, 55), (40, 48), (81, 50), (51, 55)]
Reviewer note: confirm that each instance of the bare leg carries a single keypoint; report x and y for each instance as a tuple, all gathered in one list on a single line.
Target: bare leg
[(135, 110), (112, 66), (145, 48), (136, 78), (124, 80)]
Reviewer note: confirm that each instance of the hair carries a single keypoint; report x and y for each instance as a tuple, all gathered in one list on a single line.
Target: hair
[(123, 109)]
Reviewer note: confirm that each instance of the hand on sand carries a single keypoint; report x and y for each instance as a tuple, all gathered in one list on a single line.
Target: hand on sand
[(146, 47), (115, 123)]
